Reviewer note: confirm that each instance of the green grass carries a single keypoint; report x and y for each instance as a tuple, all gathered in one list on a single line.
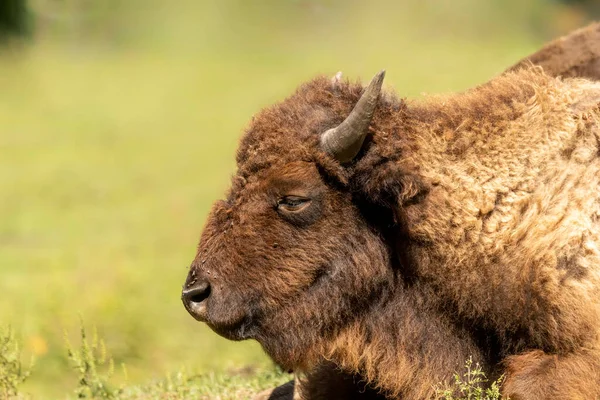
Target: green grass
[(112, 149), (12, 371), (95, 370)]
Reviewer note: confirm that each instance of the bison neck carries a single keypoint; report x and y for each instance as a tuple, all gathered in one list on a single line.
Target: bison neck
[(403, 347), (497, 194)]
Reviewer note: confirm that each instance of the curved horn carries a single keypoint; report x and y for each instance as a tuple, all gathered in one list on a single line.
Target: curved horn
[(344, 141)]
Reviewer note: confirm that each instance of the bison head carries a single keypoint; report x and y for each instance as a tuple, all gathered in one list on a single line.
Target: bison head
[(291, 255)]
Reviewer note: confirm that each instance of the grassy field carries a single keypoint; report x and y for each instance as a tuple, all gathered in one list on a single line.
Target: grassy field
[(112, 148)]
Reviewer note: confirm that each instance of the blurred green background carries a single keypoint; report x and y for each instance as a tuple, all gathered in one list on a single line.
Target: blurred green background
[(118, 125)]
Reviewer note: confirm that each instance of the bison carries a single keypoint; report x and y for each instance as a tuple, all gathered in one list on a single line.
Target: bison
[(375, 244), (574, 55)]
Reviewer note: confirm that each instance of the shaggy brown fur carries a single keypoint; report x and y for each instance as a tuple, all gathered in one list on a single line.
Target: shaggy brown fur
[(467, 226), (574, 55)]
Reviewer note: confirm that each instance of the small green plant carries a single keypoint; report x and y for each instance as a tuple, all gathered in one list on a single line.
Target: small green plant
[(12, 371), (91, 357), (87, 360), (472, 385)]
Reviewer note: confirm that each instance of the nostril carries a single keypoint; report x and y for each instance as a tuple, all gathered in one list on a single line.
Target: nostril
[(200, 296), (197, 294)]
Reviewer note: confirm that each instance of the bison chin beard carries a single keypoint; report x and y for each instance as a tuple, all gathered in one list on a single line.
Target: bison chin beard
[(298, 336), (241, 330)]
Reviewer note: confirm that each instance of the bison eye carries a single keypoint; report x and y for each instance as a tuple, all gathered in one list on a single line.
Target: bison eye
[(292, 203)]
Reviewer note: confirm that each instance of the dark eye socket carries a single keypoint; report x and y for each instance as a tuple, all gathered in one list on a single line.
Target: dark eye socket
[(292, 203)]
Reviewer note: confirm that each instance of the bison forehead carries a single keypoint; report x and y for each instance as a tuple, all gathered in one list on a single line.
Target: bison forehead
[(289, 131), (266, 150)]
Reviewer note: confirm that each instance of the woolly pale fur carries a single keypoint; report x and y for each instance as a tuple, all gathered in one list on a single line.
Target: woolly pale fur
[(468, 226)]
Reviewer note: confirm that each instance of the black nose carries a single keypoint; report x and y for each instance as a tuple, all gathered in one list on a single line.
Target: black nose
[(197, 293), (194, 299)]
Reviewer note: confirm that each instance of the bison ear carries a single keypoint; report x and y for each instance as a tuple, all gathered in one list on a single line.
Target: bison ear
[(345, 140)]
